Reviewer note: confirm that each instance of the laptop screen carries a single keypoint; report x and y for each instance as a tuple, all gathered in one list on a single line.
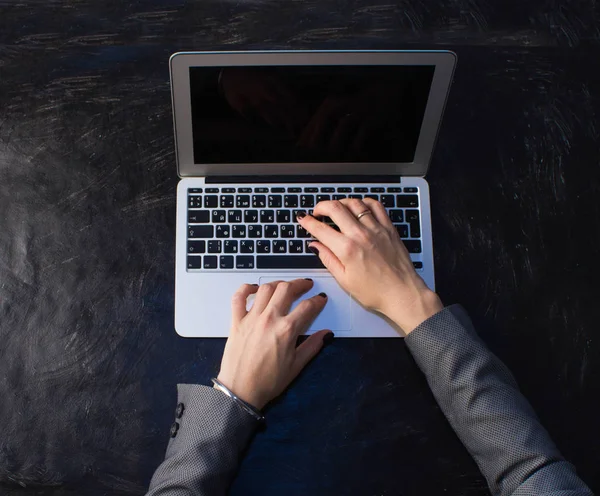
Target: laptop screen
[(308, 114)]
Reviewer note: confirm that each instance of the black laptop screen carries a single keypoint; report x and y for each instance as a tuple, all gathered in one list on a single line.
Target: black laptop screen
[(308, 114)]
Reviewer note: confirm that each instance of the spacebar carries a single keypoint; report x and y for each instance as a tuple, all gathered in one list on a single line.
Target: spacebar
[(288, 262)]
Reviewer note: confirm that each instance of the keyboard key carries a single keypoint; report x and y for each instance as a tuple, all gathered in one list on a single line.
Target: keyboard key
[(212, 190), (255, 231), (228, 190), (277, 190), (283, 216), (247, 246), (244, 190), (244, 262), (234, 216), (288, 262), (250, 216), (195, 190), (195, 202), (410, 190), (271, 231), (198, 216), (338, 197), (321, 198), (361, 190), (377, 190), (219, 216), (311, 190), (301, 232), (407, 200), (279, 246), (290, 201), (223, 231), (287, 231), (267, 216), (196, 246), (344, 190), (194, 262), (388, 201), (294, 190), (394, 189), (396, 216), (214, 246), (211, 201), (230, 246), (238, 231), (327, 190), (295, 246), (242, 201), (263, 246), (374, 197), (261, 190), (259, 201), (275, 201), (412, 217), (413, 245), (402, 230), (210, 262), (307, 201), (418, 265), (200, 231), (357, 197), (226, 261)]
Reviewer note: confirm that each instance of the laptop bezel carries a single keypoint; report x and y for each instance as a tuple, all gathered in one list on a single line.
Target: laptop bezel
[(180, 63)]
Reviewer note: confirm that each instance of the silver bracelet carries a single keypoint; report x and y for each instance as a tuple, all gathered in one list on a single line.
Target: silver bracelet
[(246, 406)]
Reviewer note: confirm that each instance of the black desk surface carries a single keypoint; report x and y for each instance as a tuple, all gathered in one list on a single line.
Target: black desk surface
[(88, 355)]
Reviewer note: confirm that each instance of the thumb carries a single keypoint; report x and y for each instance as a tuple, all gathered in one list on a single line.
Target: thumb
[(310, 348)]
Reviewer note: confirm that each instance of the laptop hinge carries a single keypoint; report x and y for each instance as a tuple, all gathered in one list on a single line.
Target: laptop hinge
[(302, 179)]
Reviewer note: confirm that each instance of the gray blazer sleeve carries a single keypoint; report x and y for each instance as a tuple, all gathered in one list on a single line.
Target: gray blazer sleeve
[(203, 456), (482, 402)]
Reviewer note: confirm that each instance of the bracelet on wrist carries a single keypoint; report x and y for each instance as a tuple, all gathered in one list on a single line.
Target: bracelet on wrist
[(245, 406)]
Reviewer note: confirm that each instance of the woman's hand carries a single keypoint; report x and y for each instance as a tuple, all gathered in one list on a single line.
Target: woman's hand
[(261, 358), (369, 260)]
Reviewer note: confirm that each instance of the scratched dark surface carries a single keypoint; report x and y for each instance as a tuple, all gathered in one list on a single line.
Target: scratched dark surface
[(88, 355)]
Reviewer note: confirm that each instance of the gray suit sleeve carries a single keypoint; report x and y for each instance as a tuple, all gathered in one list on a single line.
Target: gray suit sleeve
[(202, 459), (484, 406)]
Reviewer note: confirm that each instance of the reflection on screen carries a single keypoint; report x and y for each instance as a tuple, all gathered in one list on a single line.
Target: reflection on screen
[(308, 114)]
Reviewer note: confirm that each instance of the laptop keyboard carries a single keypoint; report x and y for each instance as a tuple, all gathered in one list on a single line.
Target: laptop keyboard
[(249, 228)]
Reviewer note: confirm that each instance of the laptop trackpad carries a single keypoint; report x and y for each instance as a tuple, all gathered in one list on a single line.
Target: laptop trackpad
[(337, 314)]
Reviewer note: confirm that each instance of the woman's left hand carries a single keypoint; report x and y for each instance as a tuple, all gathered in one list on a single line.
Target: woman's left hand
[(261, 358)]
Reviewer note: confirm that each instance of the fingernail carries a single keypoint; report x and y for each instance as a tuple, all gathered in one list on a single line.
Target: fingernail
[(301, 215), (323, 295), (314, 250), (308, 279), (328, 338)]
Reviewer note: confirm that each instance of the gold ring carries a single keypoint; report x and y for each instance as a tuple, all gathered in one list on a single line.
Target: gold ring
[(362, 214)]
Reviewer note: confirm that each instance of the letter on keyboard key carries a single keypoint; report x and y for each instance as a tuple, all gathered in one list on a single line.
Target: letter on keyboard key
[(196, 246), (226, 261), (255, 231), (198, 217), (263, 246), (244, 262), (288, 262), (214, 246), (407, 201), (211, 201), (210, 262), (412, 245), (200, 231), (194, 262), (247, 246), (279, 246), (396, 216)]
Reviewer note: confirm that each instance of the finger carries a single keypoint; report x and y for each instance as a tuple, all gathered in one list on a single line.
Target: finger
[(321, 231), (309, 349), (339, 214), (357, 207), (306, 312), (331, 262), (380, 213), (240, 300), (286, 293), (263, 296)]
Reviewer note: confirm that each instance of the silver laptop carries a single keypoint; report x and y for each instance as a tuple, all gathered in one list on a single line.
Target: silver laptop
[(262, 135)]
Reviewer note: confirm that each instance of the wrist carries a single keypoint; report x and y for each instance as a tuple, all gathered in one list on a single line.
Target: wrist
[(408, 316), (240, 393)]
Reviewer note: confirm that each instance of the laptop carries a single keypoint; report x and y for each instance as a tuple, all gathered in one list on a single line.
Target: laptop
[(262, 135)]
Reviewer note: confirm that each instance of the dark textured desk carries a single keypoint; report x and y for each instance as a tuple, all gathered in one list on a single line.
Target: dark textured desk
[(88, 355)]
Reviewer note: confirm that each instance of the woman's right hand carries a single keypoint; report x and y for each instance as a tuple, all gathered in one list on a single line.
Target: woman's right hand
[(369, 260)]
